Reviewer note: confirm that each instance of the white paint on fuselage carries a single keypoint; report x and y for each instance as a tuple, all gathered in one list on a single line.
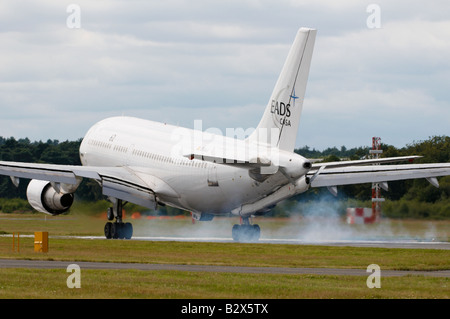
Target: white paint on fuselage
[(155, 149)]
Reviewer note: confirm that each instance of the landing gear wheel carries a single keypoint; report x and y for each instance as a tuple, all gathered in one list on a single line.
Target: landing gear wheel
[(110, 213), (127, 230), (246, 233), (256, 232), (108, 230), (235, 232), (117, 229)]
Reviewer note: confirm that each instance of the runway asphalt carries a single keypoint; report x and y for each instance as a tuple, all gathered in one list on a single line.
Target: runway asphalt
[(408, 243), (45, 264), (394, 243)]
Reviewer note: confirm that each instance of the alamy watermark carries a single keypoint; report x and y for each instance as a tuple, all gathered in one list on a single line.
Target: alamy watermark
[(74, 279), (231, 147), (374, 19), (374, 279), (73, 21)]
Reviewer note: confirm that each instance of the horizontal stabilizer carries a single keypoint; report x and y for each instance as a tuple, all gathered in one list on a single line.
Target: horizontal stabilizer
[(242, 162), (377, 174), (385, 160)]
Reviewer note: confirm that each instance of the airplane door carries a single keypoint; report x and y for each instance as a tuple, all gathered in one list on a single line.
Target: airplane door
[(212, 176)]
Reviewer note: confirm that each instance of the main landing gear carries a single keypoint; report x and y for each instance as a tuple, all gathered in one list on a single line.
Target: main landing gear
[(117, 229), (245, 232)]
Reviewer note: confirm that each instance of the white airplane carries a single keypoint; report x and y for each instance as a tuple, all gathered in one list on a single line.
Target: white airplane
[(151, 164)]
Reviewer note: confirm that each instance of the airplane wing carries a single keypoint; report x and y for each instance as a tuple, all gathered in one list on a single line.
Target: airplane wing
[(118, 182), (335, 176)]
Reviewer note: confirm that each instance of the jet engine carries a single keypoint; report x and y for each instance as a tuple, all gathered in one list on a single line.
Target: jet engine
[(43, 197), (302, 185)]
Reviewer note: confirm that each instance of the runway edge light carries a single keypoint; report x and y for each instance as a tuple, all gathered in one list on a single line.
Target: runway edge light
[(41, 241)]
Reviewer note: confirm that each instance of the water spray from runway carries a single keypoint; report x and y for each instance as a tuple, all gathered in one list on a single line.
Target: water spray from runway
[(309, 222), (322, 220), (219, 228)]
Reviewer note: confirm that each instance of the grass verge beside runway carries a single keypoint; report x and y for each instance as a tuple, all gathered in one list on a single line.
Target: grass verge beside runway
[(45, 283)]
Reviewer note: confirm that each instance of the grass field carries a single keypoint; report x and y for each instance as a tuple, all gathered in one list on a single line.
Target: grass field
[(38, 283), (44, 283)]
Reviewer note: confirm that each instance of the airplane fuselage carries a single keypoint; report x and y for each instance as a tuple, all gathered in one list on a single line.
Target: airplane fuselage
[(155, 151)]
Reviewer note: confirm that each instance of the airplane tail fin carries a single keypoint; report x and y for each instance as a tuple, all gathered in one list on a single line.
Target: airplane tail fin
[(279, 124)]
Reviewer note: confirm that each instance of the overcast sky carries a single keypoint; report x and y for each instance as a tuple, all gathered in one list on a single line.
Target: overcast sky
[(178, 61)]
